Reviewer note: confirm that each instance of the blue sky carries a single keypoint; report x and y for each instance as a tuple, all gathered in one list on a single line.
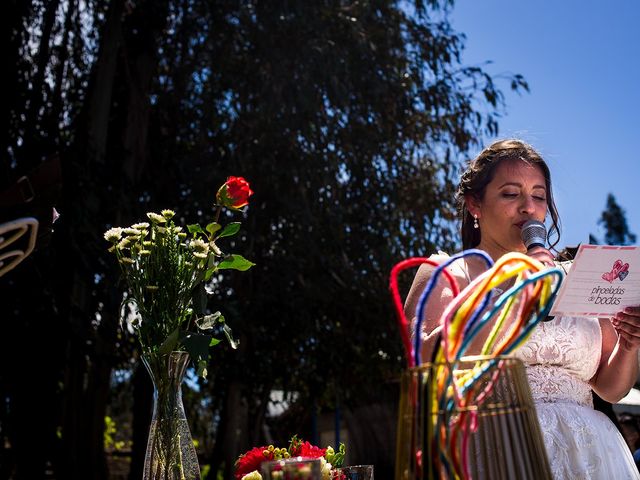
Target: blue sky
[(582, 62)]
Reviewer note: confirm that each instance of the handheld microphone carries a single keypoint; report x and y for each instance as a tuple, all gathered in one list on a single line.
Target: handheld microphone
[(534, 234)]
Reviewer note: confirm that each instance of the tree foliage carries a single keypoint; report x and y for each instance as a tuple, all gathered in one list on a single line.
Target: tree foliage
[(348, 118), (614, 222)]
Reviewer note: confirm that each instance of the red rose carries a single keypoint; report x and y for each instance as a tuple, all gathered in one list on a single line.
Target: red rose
[(234, 193), (251, 461)]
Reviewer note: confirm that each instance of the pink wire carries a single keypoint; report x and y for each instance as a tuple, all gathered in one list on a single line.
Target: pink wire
[(397, 301)]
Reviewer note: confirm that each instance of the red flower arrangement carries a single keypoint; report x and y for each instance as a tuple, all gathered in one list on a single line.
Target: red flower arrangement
[(248, 464)]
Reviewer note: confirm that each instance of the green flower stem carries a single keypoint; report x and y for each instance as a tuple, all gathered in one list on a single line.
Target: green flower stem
[(217, 217)]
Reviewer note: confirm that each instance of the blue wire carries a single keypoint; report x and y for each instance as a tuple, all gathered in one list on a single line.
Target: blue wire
[(474, 318), (421, 306), (427, 292)]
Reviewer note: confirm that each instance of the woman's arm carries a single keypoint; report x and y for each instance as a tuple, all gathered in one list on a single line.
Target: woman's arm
[(618, 370), (440, 297)]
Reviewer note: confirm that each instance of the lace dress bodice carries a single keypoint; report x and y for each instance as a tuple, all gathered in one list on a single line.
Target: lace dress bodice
[(561, 357)]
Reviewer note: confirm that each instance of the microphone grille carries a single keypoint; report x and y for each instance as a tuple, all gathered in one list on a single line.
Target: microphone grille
[(533, 233)]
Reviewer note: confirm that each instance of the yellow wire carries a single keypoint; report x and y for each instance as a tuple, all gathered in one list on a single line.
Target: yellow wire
[(511, 265)]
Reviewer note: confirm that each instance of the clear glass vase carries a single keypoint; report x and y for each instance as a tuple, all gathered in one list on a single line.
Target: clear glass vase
[(171, 454)]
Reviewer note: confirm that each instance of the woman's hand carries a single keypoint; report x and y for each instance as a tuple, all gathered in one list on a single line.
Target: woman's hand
[(627, 325), (618, 369), (542, 255)]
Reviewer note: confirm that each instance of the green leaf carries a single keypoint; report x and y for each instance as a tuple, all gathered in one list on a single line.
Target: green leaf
[(170, 343), (235, 262), (199, 299), (209, 273), (202, 368), (213, 227), (338, 457), (230, 229), (209, 321), (197, 344), (229, 334), (195, 228)]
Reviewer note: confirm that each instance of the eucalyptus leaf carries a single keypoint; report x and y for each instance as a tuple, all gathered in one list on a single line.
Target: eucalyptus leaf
[(229, 334), (197, 344), (208, 321), (235, 262), (199, 299), (127, 302), (201, 368)]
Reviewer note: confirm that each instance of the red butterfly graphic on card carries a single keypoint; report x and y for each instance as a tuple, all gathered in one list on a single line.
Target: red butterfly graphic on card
[(619, 270)]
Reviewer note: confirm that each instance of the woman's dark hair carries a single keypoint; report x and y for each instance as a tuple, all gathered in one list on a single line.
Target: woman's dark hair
[(481, 171)]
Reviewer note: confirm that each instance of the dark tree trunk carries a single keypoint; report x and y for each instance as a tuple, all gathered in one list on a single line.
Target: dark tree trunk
[(231, 432), (89, 352), (141, 419), (32, 369), (113, 122)]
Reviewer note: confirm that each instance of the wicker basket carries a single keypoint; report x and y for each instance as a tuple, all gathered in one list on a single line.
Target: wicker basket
[(503, 435)]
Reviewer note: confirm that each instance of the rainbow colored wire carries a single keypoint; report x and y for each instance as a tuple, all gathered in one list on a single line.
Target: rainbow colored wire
[(510, 320)]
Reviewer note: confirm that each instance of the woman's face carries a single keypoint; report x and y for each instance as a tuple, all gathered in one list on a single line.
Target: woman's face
[(516, 194)]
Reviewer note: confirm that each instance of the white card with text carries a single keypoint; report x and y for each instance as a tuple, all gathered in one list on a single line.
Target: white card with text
[(602, 281)]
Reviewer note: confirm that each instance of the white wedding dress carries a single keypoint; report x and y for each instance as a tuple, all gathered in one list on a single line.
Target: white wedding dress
[(561, 356)]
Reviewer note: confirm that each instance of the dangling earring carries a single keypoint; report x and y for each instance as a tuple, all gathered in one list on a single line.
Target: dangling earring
[(475, 221)]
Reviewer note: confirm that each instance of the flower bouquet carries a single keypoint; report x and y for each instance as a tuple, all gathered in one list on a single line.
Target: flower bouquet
[(248, 465), (165, 270)]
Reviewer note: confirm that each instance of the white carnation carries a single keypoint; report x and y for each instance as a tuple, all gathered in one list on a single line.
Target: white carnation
[(325, 469), (252, 476)]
